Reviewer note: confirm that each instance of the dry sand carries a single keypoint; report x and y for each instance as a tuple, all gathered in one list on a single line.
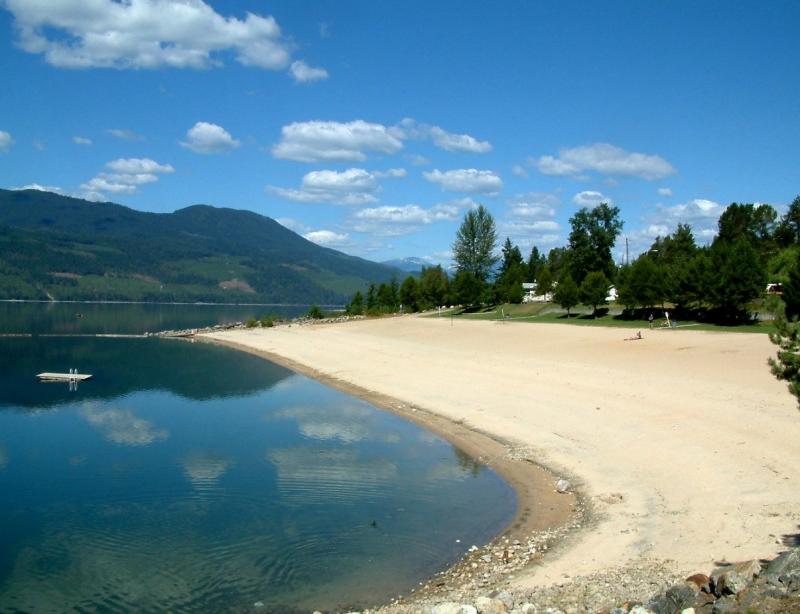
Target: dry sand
[(684, 445)]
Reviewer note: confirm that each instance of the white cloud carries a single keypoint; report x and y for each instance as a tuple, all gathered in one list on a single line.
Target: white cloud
[(531, 220), (591, 198), (292, 224), (409, 128), (138, 165), (458, 142), (316, 141), (519, 171), (5, 141), (392, 220), (355, 186), (418, 160), (328, 238), (303, 73), (468, 180), (664, 192), (144, 34), (534, 205), (206, 138), (81, 140), (125, 134), (394, 173), (606, 159), (129, 173)]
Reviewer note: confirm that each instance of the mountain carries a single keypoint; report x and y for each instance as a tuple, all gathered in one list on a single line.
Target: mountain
[(409, 265), (57, 247)]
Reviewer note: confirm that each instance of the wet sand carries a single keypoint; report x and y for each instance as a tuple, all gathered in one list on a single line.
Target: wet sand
[(683, 445)]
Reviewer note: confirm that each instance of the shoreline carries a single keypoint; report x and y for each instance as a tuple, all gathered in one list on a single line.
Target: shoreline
[(682, 445)]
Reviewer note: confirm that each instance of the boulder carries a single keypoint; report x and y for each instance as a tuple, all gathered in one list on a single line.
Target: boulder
[(676, 599), (785, 563), (563, 485), (489, 605), (733, 579)]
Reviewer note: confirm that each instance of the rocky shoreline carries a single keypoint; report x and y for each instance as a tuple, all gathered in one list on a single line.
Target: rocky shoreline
[(650, 587)]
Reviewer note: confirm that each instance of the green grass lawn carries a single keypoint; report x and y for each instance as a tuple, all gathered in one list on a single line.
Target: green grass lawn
[(581, 316)]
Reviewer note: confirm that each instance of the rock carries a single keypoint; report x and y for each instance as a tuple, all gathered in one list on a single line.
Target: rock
[(701, 581), (725, 605), (733, 579), (687, 611), (506, 597), (677, 598), (785, 563), (527, 608), (640, 609), (451, 607), (563, 486), (488, 605)]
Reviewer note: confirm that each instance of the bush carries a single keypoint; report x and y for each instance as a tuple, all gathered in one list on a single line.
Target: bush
[(251, 323), (315, 313)]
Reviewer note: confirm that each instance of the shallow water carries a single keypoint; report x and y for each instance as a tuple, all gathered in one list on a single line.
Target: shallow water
[(189, 477)]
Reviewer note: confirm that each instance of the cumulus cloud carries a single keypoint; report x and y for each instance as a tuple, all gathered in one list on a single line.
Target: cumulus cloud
[(122, 426), (316, 141), (468, 180), (418, 160), (394, 173), (124, 134), (394, 220), (144, 34), (664, 192), (449, 141), (519, 171), (591, 198), (328, 238), (605, 159), (355, 186), (206, 138), (534, 205), (128, 175), (530, 220), (5, 141), (458, 142), (303, 73), (81, 140)]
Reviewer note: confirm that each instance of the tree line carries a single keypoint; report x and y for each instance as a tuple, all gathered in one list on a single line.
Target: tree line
[(716, 282)]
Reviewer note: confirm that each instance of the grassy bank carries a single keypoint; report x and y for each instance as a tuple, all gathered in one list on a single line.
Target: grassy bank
[(582, 316)]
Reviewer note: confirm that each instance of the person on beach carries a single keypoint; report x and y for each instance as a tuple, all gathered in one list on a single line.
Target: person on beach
[(666, 319), (650, 319), (636, 337)]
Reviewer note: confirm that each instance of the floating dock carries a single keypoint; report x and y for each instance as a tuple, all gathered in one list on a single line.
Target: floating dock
[(63, 377)]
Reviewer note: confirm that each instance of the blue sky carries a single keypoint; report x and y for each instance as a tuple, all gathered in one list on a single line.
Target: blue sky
[(371, 127)]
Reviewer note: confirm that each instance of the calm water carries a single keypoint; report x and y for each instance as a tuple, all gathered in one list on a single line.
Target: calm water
[(188, 477)]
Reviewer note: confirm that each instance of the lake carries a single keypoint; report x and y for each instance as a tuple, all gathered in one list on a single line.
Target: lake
[(190, 477)]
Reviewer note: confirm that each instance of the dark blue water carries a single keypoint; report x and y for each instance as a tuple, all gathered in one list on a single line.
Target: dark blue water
[(189, 477)]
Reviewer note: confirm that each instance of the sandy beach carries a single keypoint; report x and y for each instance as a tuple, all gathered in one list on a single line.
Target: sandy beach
[(683, 445)]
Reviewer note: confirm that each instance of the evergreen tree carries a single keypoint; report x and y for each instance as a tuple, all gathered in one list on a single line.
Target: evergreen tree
[(409, 294), (786, 365), (372, 298), (791, 292), (739, 277), (356, 305), (544, 280), (566, 293), (433, 287), (594, 290), (468, 288), (476, 239), (536, 261)]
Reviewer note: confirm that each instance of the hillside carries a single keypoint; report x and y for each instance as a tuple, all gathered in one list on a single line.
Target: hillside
[(64, 248)]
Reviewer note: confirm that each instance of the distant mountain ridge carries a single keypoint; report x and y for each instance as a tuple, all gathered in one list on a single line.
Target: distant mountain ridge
[(58, 247), (409, 265)]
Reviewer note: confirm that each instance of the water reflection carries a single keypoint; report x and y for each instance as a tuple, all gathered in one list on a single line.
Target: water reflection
[(122, 426), (122, 366), (347, 423), (204, 468), (310, 475)]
